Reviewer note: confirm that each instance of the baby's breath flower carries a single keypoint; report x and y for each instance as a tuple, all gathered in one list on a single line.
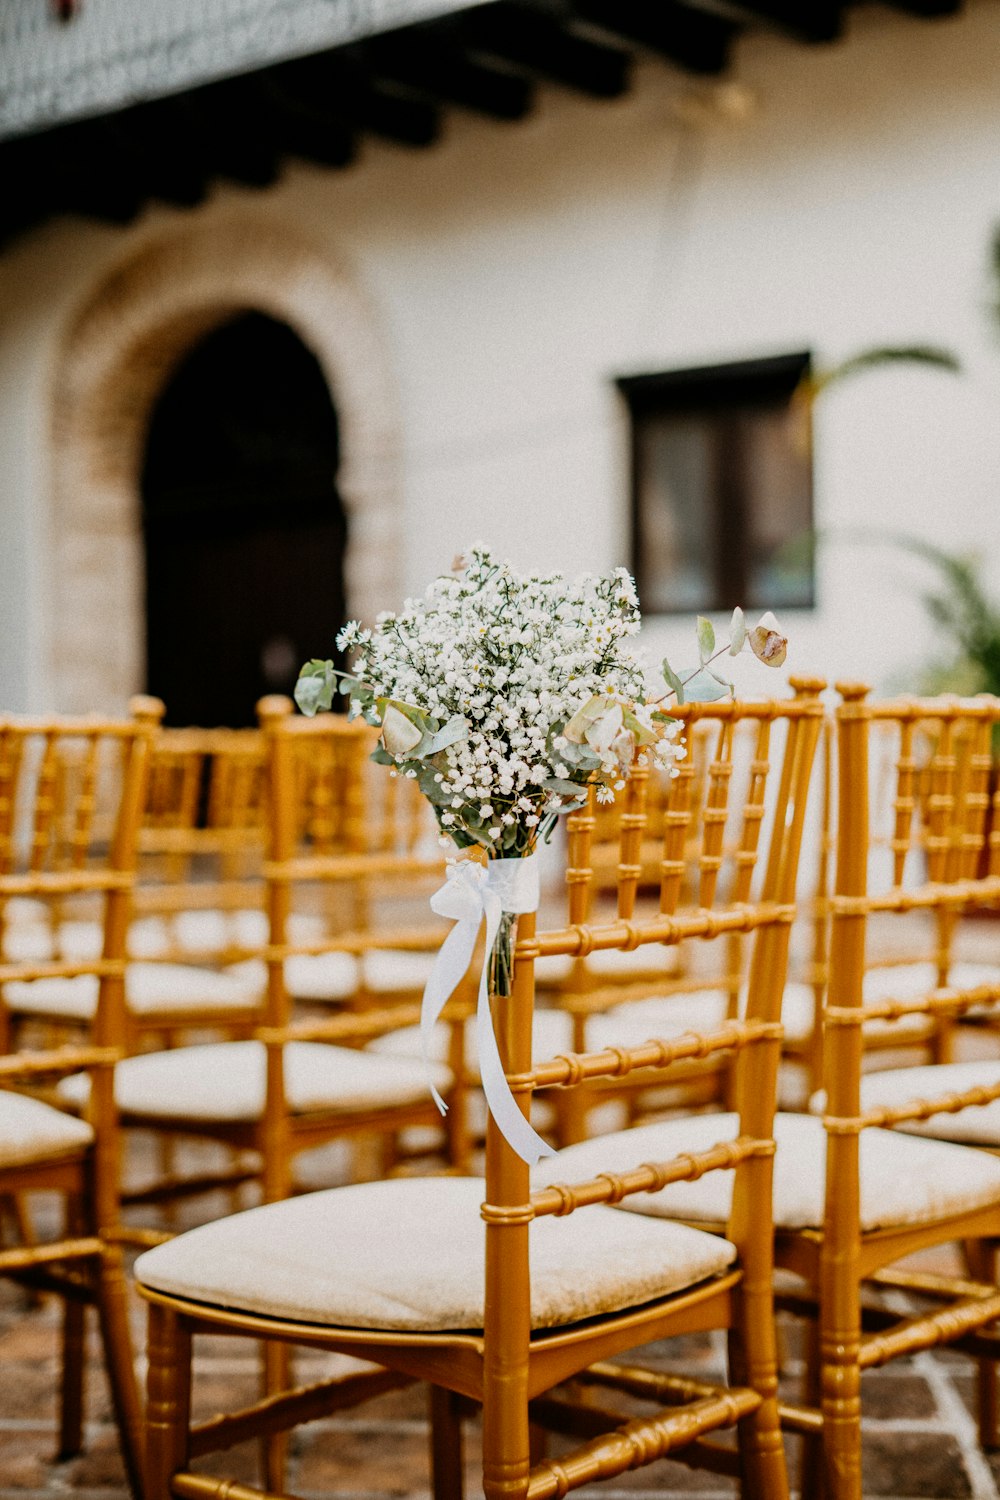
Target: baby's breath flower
[(509, 659)]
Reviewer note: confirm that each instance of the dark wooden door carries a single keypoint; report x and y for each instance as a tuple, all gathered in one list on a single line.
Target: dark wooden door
[(244, 530)]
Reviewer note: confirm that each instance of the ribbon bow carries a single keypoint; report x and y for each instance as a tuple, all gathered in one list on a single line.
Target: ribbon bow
[(470, 894)]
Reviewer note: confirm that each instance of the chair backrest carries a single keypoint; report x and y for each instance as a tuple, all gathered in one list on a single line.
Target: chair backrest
[(310, 866), (704, 825), (201, 843), (784, 736), (71, 797), (918, 847)]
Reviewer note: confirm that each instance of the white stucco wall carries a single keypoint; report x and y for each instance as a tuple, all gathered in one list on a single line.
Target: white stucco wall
[(845, 197)]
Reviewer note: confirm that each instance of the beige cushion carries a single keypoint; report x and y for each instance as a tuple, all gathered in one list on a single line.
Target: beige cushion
[(912, 981), (150, 990), (639, 1021), (314, 977), (26, 942), (31, 1131), (408, 1254), (25, 909), (978, 1124), (384, 970), (614, 963), (798, 1008), (552, 1033), (903, 1180), (211, 931), (226, 1081)]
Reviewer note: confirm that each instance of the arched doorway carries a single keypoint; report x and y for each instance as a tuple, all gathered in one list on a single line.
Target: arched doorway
[(244, 529)]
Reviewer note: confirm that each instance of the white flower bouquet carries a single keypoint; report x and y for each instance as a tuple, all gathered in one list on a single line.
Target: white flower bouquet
[(505, 697)]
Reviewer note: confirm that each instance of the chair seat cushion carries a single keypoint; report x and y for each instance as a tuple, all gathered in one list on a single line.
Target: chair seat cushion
[(308, 976), (638, 1021), (226, 1081), (798, 1006), (979, 1124), (408, 1254), (385, 970), (903, 1180), (32, 1132), (212, 931), (552, 1032), (616, 963), (150, 990)]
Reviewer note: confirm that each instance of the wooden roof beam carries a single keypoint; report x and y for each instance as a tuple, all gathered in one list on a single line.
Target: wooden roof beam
[(429, 61), (806, 20), (528, 39), (340, 83), (692, 39), (926, 10)]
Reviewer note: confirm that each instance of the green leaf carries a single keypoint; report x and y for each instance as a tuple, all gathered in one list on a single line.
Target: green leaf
[(400, 735), (316, 686), (578, 757), (706, 638), (561, 786), (704, 687), (737, 632), (590, 713), (672, 680), (873, 359), (455, 730)]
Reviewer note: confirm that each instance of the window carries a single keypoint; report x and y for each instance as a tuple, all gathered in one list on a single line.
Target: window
[(722, 510)]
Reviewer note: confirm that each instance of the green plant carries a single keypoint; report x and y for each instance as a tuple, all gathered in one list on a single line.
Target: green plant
[(968, 620)]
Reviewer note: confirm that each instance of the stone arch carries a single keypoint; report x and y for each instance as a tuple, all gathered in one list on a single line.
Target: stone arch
[(116, 356)]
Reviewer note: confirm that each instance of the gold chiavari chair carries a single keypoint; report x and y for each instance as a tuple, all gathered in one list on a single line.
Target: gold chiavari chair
[(852, 1196), (660, 846), (349, 806), (84, 855), (297, 1083), (500, 1302), (705, 824), (198, 903), (904, 817)]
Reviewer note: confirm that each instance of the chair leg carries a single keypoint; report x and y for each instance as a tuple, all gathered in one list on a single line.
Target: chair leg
[(71, 1394), (840, 1393), (811, 1462), (119, 1359), (753, 1361), (981, 1258), (277, 1376), (168, 1401), (73, 1340), (447, 1454)]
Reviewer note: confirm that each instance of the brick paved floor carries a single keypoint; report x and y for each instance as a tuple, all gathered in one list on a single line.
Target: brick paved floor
[(920, 1439)]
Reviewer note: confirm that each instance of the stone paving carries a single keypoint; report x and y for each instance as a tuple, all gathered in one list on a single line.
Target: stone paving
[(920, 1439)]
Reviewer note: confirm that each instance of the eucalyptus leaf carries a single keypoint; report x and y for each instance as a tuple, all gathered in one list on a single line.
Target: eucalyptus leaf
[(706, 638), (702, 686), (400, 735), (309, 694), (561, 786), (579, 757), (672, 680), (590, 713), (641, 735), (316, 686), (737, 632), (456, 729)]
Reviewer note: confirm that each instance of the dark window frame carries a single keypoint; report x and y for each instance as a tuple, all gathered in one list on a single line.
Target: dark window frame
[(703, 390)]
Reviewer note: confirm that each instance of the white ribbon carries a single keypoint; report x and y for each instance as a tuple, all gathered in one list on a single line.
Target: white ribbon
[(471, 893)]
